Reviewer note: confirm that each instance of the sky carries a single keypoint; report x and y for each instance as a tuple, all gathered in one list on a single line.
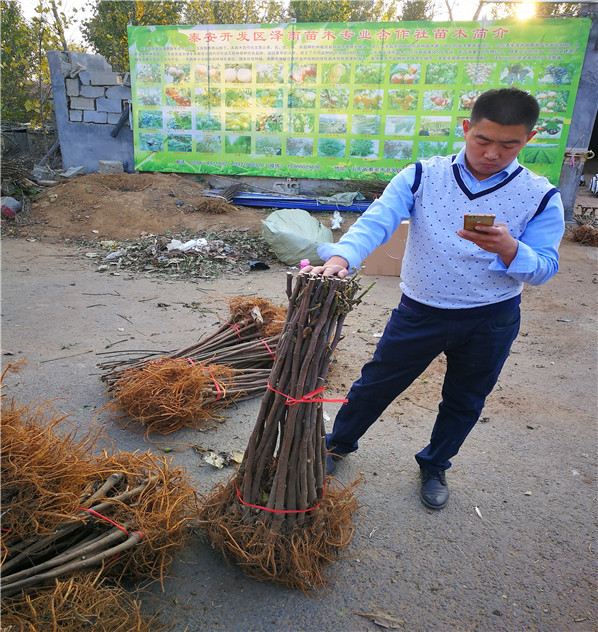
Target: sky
[(72, 33)]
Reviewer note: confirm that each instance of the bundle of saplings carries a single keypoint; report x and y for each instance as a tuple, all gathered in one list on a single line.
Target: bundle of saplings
[(248, 340), (69, 508), (279, 518)]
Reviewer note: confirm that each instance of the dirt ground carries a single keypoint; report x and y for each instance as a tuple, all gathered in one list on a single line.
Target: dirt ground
[(513, 550)]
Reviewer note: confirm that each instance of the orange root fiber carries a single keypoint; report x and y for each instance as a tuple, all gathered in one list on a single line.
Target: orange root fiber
[(294, 556), (81, 603), (166, 395), (244, 310)]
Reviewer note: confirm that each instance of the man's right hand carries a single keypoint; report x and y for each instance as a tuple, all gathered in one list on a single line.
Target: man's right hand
[(335, 266)]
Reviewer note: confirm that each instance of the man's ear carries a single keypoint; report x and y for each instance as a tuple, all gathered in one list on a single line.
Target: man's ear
[(467, 126), (531, 135)]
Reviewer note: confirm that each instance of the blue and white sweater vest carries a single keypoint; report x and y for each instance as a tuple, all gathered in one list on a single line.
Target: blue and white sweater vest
[(443, 270)]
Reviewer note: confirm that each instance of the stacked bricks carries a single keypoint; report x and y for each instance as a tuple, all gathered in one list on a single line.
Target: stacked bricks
[(95, 93)]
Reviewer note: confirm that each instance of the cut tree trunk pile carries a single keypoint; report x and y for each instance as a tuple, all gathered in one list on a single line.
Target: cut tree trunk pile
[(280, 518)]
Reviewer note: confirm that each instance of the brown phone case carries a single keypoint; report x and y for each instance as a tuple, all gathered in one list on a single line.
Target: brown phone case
[(470, 220)]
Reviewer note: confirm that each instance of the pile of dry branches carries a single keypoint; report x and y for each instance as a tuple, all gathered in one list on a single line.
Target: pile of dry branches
[(66, 511), (279, 518), (586, 235), (370, 186), (14, 174)]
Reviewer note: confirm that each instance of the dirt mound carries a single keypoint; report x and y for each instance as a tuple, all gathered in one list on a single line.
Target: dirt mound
[(127, 206)]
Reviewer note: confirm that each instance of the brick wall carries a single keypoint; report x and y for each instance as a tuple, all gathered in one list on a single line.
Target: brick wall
[(89, 99), (95, 93)]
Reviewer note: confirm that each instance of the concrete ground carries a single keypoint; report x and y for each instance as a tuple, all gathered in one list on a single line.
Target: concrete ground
[(513, 550)]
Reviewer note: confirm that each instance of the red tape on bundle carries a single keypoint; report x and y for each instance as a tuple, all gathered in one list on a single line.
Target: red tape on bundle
[(267, 347), (99, 515), (236, 328), (308, 398), (280, 511), (218, 390)]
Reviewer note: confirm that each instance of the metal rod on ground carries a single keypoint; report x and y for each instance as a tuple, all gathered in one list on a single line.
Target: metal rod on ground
[(49, 153)]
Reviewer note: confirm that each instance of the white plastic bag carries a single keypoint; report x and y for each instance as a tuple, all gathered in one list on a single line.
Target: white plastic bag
[(336, 221)]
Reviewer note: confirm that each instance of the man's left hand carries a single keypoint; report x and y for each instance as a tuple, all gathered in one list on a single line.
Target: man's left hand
[(494, 238)]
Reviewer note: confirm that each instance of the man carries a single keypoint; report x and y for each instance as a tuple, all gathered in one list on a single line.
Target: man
[(461, 288)]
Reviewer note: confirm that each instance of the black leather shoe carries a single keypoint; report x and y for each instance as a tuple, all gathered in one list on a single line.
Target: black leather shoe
[(434, 491), (332, 459)]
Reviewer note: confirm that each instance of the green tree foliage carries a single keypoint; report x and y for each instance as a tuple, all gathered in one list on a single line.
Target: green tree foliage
[(106, 30), (47, 27), (234, 12), (342, 10), (275, 11), (508, 10), (561, 10), (416, 10), (26, 85), (18, 57)]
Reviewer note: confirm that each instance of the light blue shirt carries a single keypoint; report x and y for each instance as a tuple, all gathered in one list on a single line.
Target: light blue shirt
[(536, 260)]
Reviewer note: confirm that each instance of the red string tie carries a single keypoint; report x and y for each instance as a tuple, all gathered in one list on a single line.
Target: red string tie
[(280, 511), (115, 524), (218, 389), (236, 328), (308, 398), (267, 347)]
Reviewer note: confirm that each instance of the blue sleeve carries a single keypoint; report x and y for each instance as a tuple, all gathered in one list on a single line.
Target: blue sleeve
[(537, 258), (379, 222)]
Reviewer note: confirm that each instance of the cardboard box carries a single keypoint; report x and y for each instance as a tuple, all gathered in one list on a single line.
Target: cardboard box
[(387, 259)]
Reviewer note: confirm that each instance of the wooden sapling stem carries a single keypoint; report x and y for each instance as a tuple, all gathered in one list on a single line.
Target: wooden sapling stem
[(106, 539), (111, 481), (14, 588)]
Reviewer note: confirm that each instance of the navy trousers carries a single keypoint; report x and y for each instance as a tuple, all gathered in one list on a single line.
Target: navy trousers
[(476, 347)]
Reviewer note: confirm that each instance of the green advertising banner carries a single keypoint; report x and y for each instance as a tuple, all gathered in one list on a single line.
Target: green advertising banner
[(339, 101)]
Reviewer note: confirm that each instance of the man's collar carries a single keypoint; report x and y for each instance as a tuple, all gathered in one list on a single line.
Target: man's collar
[(507, 171)]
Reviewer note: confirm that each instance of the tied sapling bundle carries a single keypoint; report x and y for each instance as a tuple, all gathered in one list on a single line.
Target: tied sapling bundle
[(185, 388), (165, 395), (66, 511), (249, 340), (279, 517)]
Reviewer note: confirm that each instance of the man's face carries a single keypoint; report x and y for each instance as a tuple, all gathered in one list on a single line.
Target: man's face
[(490, 147)]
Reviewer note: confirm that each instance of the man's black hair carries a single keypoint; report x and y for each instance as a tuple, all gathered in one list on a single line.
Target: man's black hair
[(507, 106)]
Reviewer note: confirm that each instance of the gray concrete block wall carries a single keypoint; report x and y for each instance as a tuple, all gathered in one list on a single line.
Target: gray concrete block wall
[(109, 105), (88, 100), (95, 117), (104, 79), (72, 87), (93, 91)]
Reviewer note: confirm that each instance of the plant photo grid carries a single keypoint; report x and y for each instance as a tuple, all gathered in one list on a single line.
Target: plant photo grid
[(278, 106)]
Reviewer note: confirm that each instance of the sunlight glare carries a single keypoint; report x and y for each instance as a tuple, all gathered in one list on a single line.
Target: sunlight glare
[(525, 10)]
